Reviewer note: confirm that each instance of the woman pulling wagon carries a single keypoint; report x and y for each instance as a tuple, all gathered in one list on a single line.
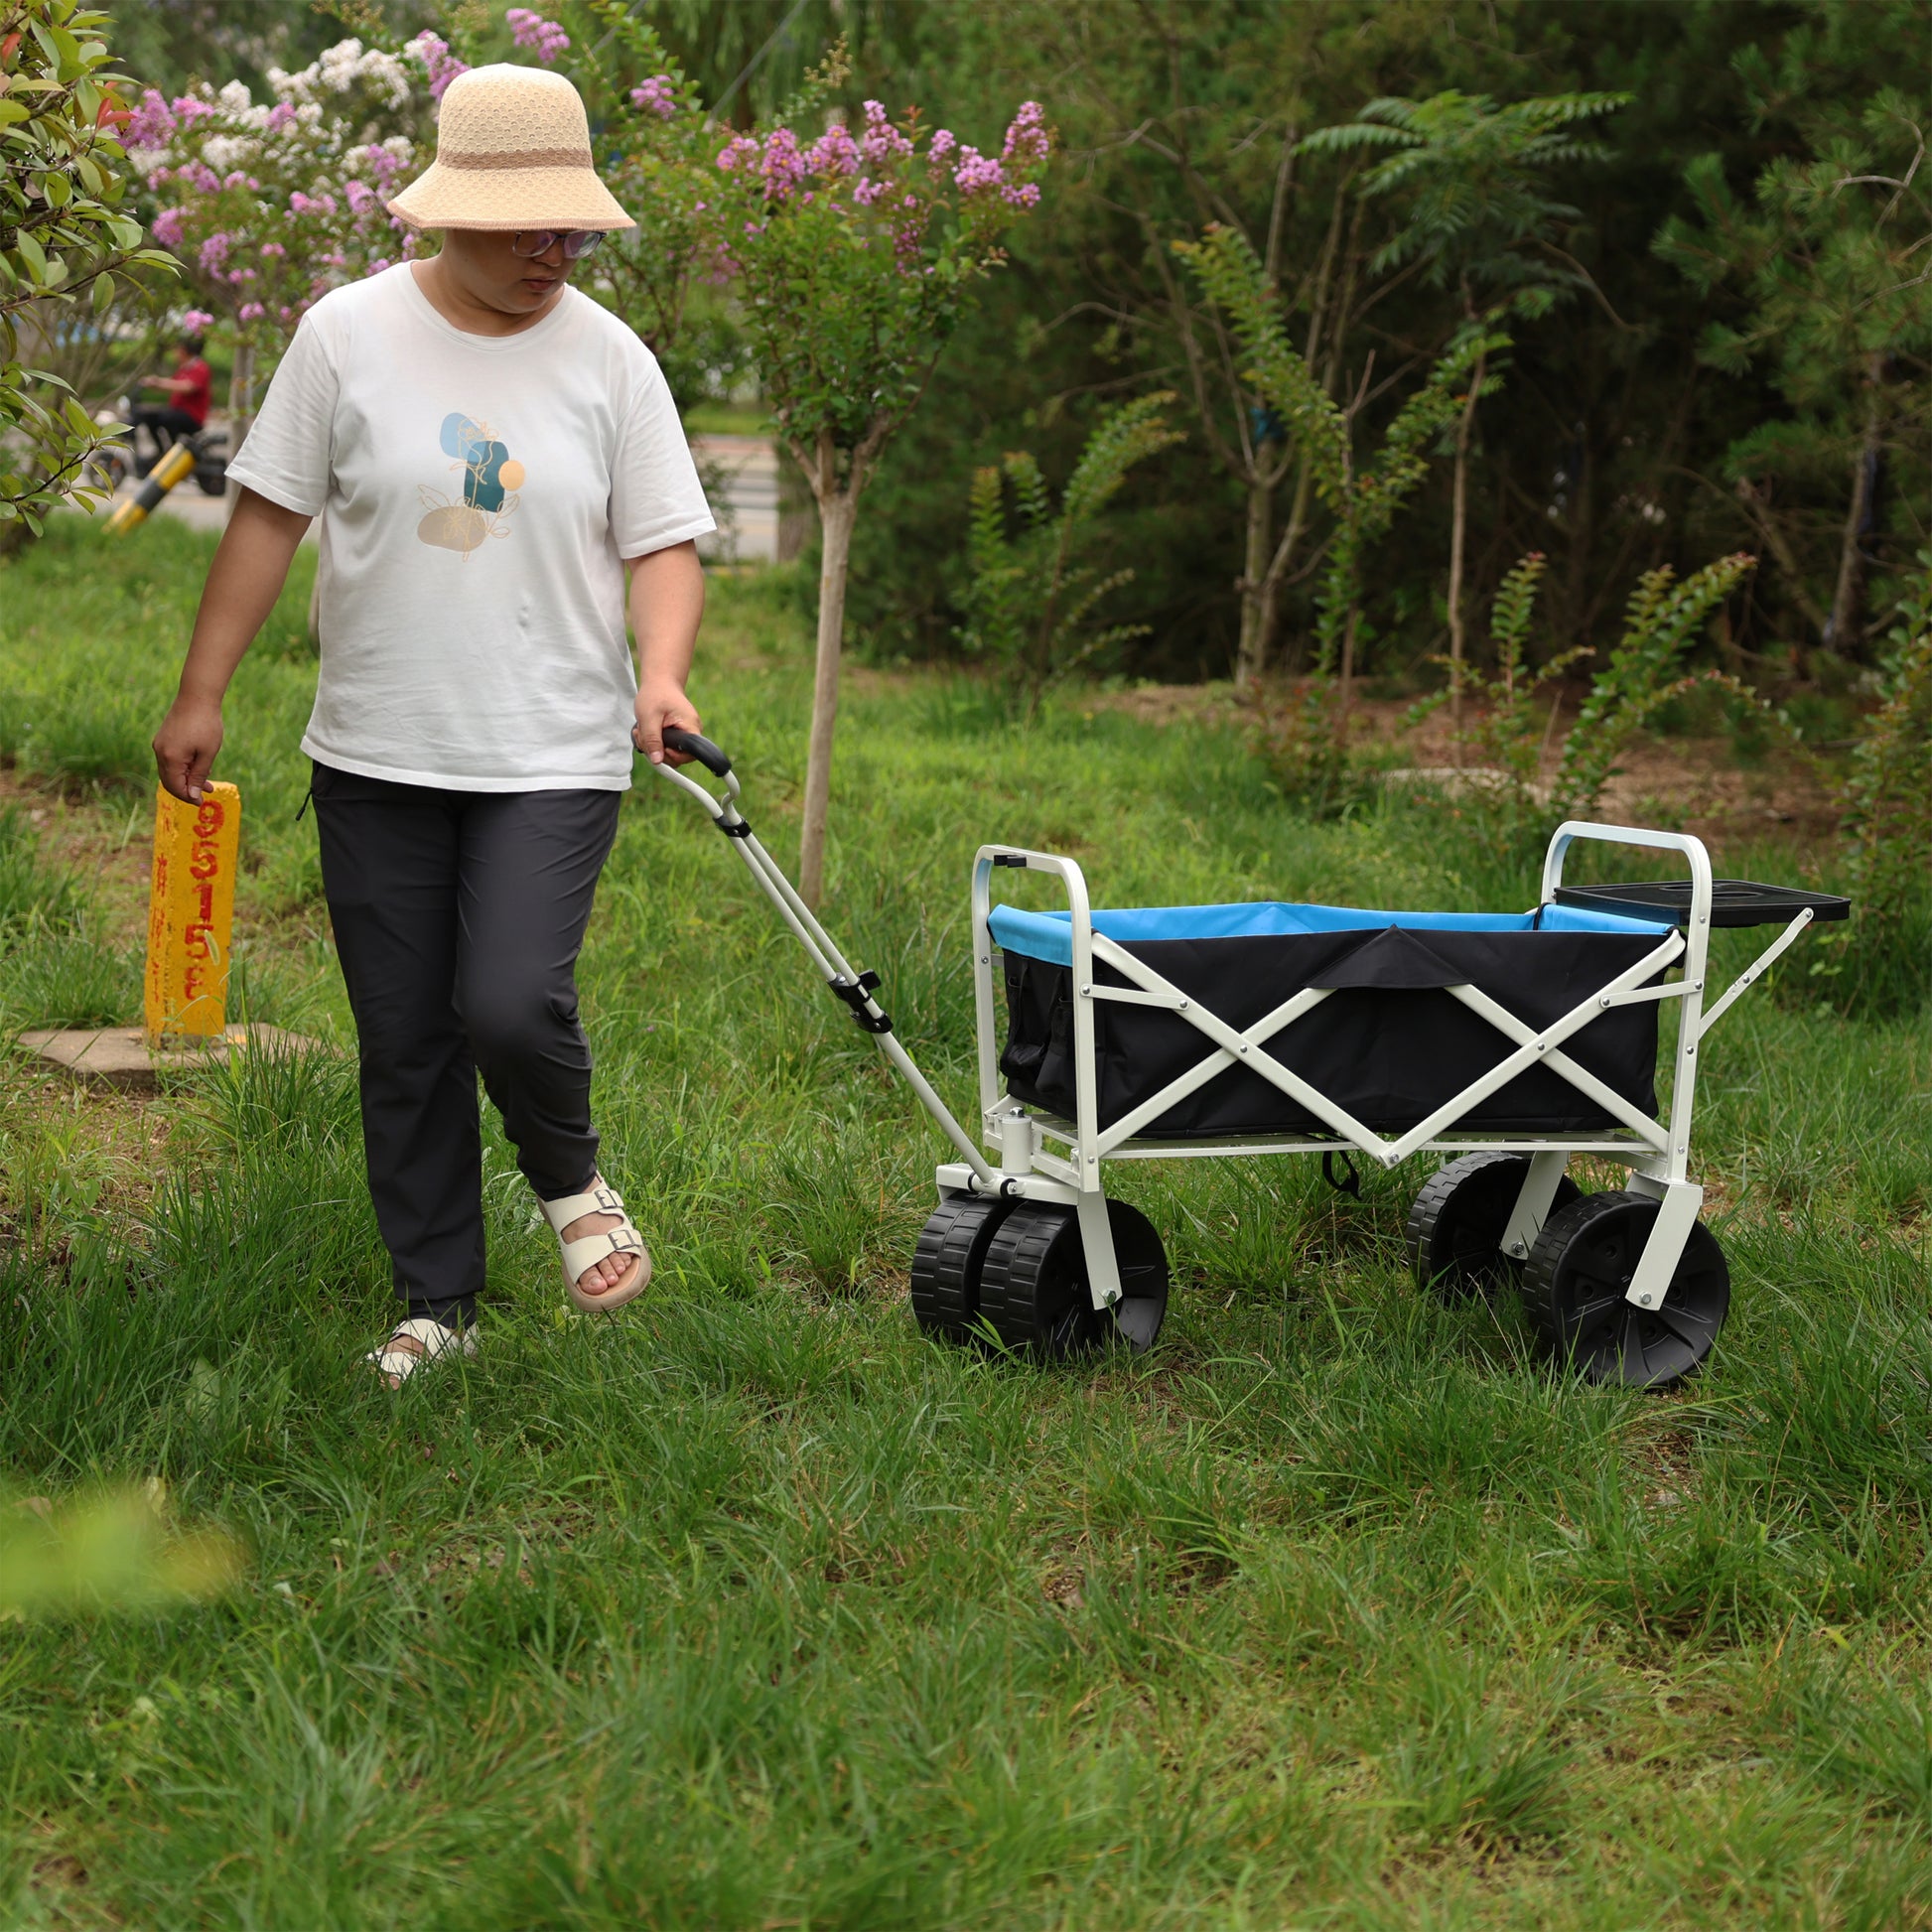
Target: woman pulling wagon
[(490, 454)]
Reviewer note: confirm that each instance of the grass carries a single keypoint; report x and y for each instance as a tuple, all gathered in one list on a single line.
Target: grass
[(751, 1608)]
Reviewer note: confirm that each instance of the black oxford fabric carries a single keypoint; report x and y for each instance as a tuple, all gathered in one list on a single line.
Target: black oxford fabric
[(1390, 1045)]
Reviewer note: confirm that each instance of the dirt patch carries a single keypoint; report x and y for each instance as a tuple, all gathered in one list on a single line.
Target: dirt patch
[(1693, 784)]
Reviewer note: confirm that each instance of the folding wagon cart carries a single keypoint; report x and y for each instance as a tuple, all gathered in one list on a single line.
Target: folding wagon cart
[(1510, 1041)]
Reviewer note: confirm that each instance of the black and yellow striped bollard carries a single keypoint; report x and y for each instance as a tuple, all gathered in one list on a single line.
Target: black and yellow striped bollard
[(176, 466)]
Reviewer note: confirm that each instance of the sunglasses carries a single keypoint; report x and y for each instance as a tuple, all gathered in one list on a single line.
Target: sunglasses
[(540, 241)]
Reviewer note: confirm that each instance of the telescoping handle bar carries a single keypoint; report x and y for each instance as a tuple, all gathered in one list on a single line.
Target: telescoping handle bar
[(853, 989)]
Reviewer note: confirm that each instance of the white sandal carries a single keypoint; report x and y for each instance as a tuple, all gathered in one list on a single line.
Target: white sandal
[(624, 1239), (397, 1365)]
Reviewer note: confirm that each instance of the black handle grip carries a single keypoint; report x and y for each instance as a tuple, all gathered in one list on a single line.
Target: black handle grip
[(698, 747)]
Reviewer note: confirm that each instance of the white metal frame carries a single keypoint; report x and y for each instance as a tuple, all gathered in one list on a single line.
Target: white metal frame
[(1656, 1151)]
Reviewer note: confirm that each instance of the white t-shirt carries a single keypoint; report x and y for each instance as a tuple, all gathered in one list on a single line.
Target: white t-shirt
[(478, 497)]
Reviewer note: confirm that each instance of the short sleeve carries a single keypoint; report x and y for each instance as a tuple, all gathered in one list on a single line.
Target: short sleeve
[(656, 499), (286, 456)]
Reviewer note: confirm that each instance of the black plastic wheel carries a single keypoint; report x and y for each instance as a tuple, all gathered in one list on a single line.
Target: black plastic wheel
[(1573, 1290), (1035, 1290), (1455, 1228), (947, 1262)]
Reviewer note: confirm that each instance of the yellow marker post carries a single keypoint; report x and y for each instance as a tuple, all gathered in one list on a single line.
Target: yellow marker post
[(191, 914)]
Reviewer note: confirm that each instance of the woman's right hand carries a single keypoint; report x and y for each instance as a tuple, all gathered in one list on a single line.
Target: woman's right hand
[(186, 745)]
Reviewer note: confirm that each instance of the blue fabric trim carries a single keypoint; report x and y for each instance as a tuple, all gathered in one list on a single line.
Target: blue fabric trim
[(1049, 936)]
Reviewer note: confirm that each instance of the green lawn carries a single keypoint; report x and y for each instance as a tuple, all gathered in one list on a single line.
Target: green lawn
[(750, 1609)]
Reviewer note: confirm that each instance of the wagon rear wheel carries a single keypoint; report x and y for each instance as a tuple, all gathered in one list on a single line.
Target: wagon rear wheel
[(1574, 1287), (946, 1263), (1035, 1289), (1456, 1226)]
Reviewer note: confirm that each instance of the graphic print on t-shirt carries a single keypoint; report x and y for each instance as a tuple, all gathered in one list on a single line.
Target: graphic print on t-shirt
[(490, 478)]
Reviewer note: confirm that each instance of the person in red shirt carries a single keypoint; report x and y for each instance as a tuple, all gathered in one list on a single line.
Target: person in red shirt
[(185, 410)]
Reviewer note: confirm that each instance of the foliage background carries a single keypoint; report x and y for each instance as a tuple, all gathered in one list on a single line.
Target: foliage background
[(1605, 449)]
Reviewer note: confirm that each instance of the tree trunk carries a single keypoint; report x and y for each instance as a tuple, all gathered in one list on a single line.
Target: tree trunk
[(241, 409), (1459, 538), (1842, 629), (1347, 698), (1285, 551), (1252, 656), (837, 511)]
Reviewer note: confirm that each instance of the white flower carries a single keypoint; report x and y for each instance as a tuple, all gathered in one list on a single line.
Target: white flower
[(235, 97), (224, 152)]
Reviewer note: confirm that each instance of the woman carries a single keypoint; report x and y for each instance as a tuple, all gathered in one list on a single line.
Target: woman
[(489, 453)]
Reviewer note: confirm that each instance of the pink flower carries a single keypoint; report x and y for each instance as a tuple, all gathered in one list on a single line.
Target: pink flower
[(378, 265), (545, 38), (213, 253), (197, 319), (977, 172), (250, 312), (359, 195), (1023, 193), (833, 153), (656, 95), (165, 228), (280, 116), (1027, 138), (882, 141), (942, 144), (151, 125), (198, 175), (867, 192), (439, 63), (187, 108), (235, 180), (784, 166), (741, 148), (273, 249)]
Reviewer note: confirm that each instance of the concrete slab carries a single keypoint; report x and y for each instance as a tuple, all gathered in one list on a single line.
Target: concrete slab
[(119, 1056)]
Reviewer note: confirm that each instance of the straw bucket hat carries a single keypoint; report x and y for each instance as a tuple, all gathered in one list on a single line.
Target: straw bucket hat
[(512, 151)]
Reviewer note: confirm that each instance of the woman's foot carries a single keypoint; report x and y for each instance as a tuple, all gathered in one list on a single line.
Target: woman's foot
[(600, 1275), (605, 1261), (416, 1344)]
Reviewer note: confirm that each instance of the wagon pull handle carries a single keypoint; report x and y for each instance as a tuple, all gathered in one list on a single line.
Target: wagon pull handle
[(852, 988), (696, 745)]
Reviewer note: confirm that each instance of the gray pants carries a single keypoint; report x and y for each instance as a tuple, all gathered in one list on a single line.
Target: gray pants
[(458, 918)]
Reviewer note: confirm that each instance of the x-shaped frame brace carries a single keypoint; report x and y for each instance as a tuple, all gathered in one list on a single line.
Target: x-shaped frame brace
[(1234, 1048)]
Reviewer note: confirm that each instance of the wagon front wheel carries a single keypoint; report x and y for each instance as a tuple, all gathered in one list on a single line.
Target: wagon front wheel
[(947, 1260), (1035, 1290), (1456, 1229), (1575, 1283)]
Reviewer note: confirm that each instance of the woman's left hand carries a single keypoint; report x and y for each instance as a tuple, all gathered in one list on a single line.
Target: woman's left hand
[(660, 706)]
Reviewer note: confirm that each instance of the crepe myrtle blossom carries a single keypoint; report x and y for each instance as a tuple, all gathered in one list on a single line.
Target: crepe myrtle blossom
[(431, 52), (544, 37), (875, 163), (656, 96), (270, 205), (197, 322)]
